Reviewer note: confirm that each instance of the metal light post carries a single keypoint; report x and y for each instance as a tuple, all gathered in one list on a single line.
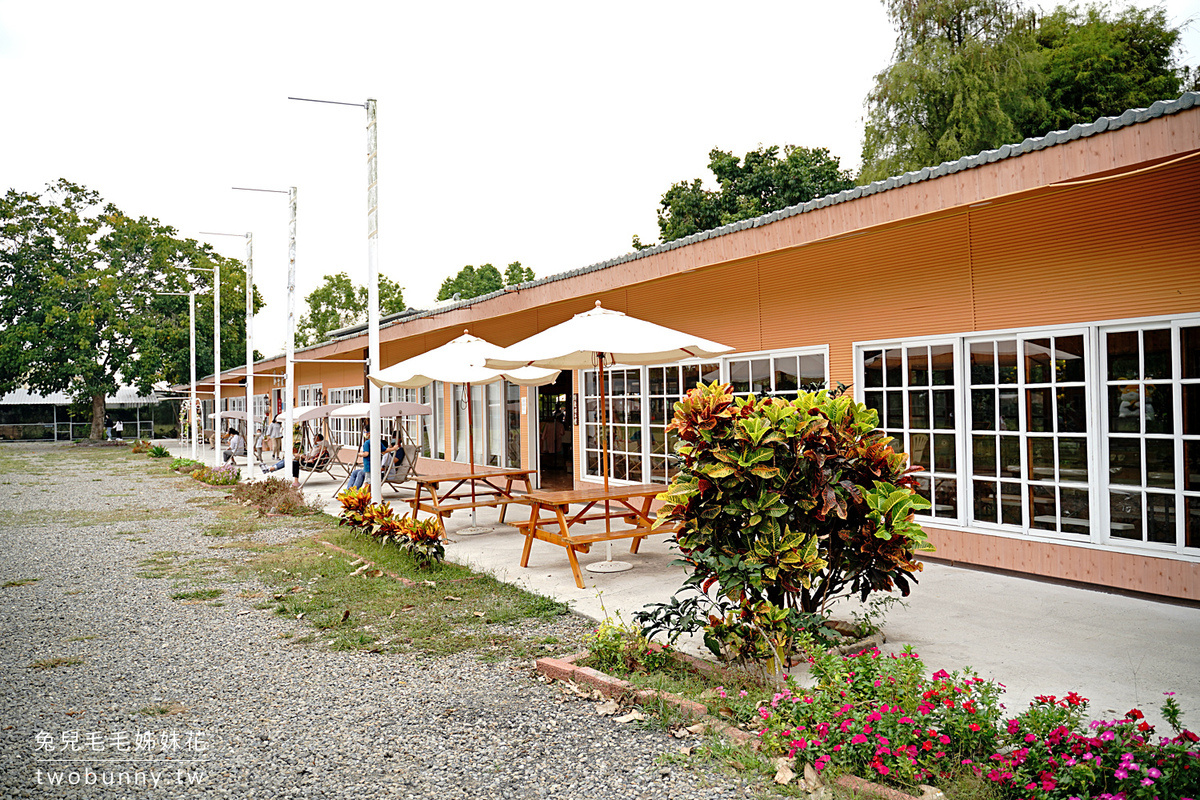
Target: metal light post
[(216, 273), (249, 346), (192, 414), (375, 423), (288, 402)]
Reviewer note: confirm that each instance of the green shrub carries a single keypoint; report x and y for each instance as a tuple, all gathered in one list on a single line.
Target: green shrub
[(224, 475), (274, 496), (783, 507), (158, 451)]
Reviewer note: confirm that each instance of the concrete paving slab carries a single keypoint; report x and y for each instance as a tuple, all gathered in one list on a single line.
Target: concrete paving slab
[(1034, 637)]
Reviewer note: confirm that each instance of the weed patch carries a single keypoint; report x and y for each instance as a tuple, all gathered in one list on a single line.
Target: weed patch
[(57, 661)]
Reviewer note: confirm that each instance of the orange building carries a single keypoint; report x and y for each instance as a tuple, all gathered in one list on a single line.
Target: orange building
[(1026, 321)]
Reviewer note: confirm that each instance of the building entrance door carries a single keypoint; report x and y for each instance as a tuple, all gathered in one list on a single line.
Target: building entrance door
[(555, 433)]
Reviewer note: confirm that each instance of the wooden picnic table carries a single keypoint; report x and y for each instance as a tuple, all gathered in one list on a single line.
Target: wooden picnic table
[(630, 504), (432, 499)]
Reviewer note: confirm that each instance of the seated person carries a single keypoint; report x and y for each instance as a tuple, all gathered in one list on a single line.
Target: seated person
[(359, 476), (237, 445), (310, 460)]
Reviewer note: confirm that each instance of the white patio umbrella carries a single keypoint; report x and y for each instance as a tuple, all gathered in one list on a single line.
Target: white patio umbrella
[(460, 361), (589, 340)]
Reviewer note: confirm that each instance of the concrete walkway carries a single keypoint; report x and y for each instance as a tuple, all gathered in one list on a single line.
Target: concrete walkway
[(1032, 636)]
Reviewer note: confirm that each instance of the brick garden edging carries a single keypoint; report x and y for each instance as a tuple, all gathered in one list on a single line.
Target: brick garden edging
[(565, 669)]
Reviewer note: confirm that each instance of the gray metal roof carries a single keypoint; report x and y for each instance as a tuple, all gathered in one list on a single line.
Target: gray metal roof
[(1133, 116)]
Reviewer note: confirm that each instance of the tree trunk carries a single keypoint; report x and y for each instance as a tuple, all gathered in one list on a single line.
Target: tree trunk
[(97, 416)]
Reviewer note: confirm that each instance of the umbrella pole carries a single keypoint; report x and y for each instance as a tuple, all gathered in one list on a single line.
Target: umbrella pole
[(607, 565), (471, 460)]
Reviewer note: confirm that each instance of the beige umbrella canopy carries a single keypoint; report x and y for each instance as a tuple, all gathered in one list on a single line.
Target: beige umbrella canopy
[(459, 361), (597, 337)]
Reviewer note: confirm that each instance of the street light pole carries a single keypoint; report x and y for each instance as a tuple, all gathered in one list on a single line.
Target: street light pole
[(193, 415), (249, 346), (375, 424), (216, 273)]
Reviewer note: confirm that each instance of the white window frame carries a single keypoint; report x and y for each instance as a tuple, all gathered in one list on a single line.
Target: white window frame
[(483, 425), (345, 431), (1096, 393), (645, 454)]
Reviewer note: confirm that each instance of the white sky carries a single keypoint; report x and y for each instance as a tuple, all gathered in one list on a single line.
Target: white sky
[(544, 133)]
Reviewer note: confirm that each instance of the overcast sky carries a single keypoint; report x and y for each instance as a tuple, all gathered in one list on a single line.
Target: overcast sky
[(544, 133)]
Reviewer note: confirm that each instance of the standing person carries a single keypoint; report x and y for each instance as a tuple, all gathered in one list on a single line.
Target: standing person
[(119, 429), (237, 445), (108, 427), (275, 437)]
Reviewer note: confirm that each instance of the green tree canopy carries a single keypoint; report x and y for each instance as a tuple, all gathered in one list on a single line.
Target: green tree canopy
[(79, 305), (473, 282), (757, 184), (972, 75), (338, 303)]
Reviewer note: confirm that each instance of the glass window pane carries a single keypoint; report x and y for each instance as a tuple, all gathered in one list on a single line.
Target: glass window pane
[(983, 455), (812, 370), (672, 382), (1160, 518), (983, 409), (918, 410), (923, 486), (1122, 351), (1010, 503), (943, 409), (941, 364), (658, 441), (1010, 410), (659, 409), (1191, 409), (760, 376), (1192, 534), (739, 376), (1160, 463), (1072, 409), (786, 374), (1156, 346), (1191, 466), (1043, 508), (658, 379), (1010, 456), (1189, 346), (945, 491), (1041, 410), (1073, 506), (658, 470), (691, 377), (873, 368), (874, 400), (1125, 514), (894, 365), (1125, 408), (984, 504), (1159, 408), (710, 372), (945, 457), (1068, 359), (593, 462), (983, 363), (633, 382), (616, 382), (918, 366), (619, 441), (1072, 459), (919, 450), (1006, 361), (895, 409), (1041, 458), (1037, 361), (1125, 461)]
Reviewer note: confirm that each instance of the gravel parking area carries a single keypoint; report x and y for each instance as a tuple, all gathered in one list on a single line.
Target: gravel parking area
[(108, 679)]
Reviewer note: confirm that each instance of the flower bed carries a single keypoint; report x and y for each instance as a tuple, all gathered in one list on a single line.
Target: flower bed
[(880, 716)]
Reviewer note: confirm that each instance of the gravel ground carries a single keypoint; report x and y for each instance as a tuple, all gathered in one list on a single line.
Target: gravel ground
[(245, 712)]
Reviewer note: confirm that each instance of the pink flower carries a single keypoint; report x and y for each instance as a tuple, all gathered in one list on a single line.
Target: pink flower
[(858, 739)]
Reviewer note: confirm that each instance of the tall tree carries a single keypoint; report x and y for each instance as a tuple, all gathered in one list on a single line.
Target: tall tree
[(79, 304), (757, 184), (972, 75), (338, 303), (1097, 65), (472, 282), (964, 72)]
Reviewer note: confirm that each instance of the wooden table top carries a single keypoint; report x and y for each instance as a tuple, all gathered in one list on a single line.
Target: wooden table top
[(568, 496)]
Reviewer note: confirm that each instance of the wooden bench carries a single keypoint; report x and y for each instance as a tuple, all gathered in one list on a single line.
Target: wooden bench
[(476, 485), (557, 529)]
